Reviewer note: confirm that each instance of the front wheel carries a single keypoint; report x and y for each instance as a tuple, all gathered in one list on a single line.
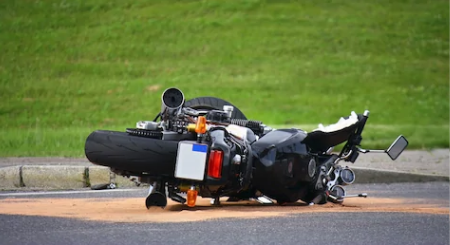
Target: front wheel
[(213, 103)]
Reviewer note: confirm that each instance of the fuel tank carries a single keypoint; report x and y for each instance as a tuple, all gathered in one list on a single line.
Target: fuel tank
[(136, 155), (282, 165)]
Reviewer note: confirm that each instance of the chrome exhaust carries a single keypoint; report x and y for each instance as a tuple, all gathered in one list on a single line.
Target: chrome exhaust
[(172, 100)]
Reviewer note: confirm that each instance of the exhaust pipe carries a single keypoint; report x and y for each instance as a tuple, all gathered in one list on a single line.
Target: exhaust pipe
[(156, 199), (172, 100), (156, 196)]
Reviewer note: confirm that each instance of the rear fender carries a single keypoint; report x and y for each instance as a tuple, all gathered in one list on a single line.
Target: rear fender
[(219, 142)]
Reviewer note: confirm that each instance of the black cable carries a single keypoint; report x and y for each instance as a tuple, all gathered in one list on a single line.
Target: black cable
[(157, 116)]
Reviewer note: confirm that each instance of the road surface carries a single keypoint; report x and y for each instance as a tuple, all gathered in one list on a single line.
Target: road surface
[(392, 214)]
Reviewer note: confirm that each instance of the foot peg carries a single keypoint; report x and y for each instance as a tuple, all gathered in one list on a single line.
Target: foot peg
[(177, 198)]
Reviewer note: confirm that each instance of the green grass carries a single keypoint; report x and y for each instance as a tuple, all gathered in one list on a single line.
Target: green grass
[(70, 141), (70, 67)]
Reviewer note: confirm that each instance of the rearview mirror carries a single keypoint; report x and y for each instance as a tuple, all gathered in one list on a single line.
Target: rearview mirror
[(397, 147)]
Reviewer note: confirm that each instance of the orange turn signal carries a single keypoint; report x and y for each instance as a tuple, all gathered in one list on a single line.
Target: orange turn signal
[(200, 128), (191, 197)]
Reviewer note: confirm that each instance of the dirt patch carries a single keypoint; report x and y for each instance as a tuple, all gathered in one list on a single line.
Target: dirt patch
[(133, 209)]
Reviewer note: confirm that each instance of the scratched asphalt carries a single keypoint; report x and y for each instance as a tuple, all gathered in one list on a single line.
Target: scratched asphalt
[(306, 228)]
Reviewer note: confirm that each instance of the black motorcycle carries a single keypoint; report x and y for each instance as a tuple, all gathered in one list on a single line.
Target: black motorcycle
[(207, 147)]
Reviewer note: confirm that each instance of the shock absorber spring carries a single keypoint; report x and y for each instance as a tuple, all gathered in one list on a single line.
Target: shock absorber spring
[(255, 126)]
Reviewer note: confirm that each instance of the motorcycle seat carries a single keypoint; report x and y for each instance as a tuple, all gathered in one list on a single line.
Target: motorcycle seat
[(284, 140), (322, 138)]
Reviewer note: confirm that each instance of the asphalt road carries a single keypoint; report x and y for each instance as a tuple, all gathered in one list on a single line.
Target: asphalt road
[(393, 214)]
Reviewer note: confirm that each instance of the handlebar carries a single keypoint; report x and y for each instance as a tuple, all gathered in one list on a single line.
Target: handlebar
[(349, 151)]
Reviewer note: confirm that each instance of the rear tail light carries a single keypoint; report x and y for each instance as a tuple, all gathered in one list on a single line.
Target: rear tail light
[(215, 164)]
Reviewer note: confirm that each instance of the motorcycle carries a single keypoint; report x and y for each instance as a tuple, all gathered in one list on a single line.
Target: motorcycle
[(207, 147)]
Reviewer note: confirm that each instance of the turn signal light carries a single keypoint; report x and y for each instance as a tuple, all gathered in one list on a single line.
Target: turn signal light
[(215, 164), (191, 197), (200, 128)]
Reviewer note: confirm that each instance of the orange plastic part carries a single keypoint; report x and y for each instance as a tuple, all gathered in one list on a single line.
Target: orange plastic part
[(191, 197), (200, 128)]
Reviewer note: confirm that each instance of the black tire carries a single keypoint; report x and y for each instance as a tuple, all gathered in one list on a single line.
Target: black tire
[(213, 103), (121, 151)]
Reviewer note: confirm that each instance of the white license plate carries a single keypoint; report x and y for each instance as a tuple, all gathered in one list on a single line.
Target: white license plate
[(191, 160)]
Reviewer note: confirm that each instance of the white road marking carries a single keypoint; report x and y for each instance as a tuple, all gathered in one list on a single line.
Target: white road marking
[(43, 193)]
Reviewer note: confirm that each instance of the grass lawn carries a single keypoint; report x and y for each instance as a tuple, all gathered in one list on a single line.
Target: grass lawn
[(70, 67)]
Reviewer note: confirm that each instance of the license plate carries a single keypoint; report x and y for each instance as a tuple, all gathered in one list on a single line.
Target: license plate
[(191, 160)]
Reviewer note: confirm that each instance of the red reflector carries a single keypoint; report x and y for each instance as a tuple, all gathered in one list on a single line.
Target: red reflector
[(215, 164)]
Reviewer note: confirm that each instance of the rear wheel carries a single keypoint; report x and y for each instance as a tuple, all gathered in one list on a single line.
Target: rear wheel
[(121, 151), (213, 103)]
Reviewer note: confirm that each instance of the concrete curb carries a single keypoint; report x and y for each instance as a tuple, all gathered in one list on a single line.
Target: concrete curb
[(71, 177), (59, 177), (10, 177)]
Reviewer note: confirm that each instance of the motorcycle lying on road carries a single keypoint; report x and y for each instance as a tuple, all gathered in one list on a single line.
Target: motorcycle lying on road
[(206, 147)]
